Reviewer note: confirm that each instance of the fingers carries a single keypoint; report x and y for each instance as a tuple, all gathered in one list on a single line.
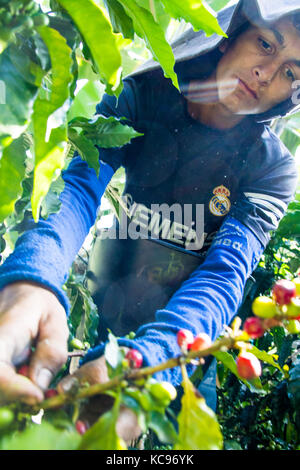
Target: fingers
[(30, 315), (15, 387), (92, 372), (96, 372), (127, 426), (51, 351)]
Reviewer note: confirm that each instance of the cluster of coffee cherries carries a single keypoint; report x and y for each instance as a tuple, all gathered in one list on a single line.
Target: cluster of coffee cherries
[(248, 366), (281, 308)]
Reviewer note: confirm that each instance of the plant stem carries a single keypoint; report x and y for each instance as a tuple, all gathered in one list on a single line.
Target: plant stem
[(133, 374)]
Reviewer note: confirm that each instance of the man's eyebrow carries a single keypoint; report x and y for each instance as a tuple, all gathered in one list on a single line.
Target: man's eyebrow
[(278, 36), (280, 39)]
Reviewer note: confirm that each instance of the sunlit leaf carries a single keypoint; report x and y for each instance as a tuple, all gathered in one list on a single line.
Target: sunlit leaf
[(49, 118), (97, 32), (12, 172), (198, 425), (18, 90), (41, 437), (120, 21), (152, 33), (194, 12), (103, 435)]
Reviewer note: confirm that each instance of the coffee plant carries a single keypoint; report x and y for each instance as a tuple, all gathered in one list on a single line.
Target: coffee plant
[(57, 58)]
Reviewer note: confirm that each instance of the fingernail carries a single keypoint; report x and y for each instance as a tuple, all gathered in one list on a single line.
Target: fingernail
[(44, 378)]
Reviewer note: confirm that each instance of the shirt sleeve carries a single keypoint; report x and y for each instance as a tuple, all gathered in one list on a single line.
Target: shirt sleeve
[(268, 187), (45, 252), (211, 296), (206, 301)]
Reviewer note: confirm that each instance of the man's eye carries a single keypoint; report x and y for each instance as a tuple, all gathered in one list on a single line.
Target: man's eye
[(289, 74), (265, 45)]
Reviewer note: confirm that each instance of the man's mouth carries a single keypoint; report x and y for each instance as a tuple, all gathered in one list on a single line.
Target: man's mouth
[(243, 85)]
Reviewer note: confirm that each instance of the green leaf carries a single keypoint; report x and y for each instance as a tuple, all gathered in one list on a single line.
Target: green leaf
[(12, 173), (198, 425), (85, 148), (102, 435), (120, 21), (217, 4), (152, 33), (51, 204), (264, 356), (83, 318), (49, 118), (291, 139), (158, 12), (102, 131), (96, 30), (228, 360), (114, 356), (194, 12), (106, 132), (51, 160), (162, 427), (17, 94), (42, 436)]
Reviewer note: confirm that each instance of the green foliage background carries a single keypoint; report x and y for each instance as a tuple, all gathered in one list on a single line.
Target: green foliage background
[(55, 73)]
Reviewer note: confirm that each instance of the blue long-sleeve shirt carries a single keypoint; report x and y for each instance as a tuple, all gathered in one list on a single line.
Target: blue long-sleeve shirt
[(242, 178)]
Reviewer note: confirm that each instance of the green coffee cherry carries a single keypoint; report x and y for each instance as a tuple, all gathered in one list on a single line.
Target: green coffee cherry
[(296, 281), (163, 392), (27, 22), (293, 327), (293, 309), (6, 417), (6, 17), (76, 344), (40, 20)]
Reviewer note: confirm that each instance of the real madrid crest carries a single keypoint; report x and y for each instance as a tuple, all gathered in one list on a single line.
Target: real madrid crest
[(219, 204)]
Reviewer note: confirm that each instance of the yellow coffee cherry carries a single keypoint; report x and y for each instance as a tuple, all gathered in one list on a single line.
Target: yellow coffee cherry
[(264, 307)]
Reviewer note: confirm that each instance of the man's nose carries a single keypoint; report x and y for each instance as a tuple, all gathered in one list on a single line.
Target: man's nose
[(265, 73)]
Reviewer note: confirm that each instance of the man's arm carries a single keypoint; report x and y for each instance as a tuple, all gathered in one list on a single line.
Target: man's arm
[(45, 253), (205, 302), (33, 304), (210, 298)]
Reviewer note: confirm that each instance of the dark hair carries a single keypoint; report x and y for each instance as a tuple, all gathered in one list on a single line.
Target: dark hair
[(296, 21)]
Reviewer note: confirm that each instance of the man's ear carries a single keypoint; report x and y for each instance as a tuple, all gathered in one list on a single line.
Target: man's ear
[(224, 46)]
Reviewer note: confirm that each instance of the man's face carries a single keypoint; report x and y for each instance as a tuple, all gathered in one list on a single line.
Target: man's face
[(258, 70)]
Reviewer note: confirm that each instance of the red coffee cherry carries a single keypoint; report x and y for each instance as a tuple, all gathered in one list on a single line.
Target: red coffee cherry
[(283, 291), (185, 338), (51, 392), (81, 426), (254, 327), (135, 358), (23, 370), (201, 341), (248, 366)]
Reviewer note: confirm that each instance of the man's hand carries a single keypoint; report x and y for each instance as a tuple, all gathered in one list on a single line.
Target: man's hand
[(30, 315), (96, 372)]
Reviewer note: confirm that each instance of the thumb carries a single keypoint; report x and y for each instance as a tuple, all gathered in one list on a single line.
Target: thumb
[(92, 372), (51, 351)]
